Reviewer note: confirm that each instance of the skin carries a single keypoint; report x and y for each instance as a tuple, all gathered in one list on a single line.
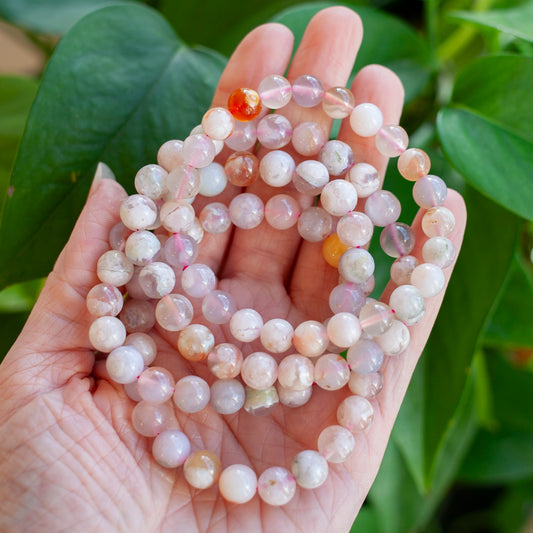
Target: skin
[(69, 457)]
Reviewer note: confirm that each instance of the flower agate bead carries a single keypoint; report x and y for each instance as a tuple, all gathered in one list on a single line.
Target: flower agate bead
[(338, 197), (114, 268), (196, 231), (225, 361), (276, 486), (296, 372), (355, 413), (155, 384), (183, 183), (150, 181), (138, 212), (141, 247), (198, 280), (276, 335), (260, 402), (376, 318), (198, 151), (180, 250), (365, 178), (395, 340), (338, 102), (259, 370), (275, 91), (347, 297), (413, 164), (282, 211), (237, 483), (107, 333), (157, 279), (138, 316), (104, 299), (274, 131), (191, 394), (124, 364), (131, 390), (310, 338), (392, 140), (213, 180), (144, 344), (331, 371), (177, 216), (217, 123), (307, 91), (195, 341), (169, 154), (332, 249), (429, 191), (215, 218), (366, 120), (294, 398), (310, 469), (227, 396), (343, 329), (202, 469), (246, 210), (245, 325), (400, 270), (242, 168), (277, 168), (336, 156), (383, 208), (218, 307), (133, 288), (118, 235), (171, 448), (438, 222), (439, 250), (428, 279), (174, 312), (408, 304), (397, 239), (308, 138), (243, 137), (368, 385), (365, 357), (356, 265), (244, 104), (314, 224), (355, 229), (150, 419), (310, 177), (335, 444)]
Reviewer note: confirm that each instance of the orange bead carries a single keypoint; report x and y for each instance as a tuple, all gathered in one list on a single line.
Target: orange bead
[(244, 104), (332, 249)]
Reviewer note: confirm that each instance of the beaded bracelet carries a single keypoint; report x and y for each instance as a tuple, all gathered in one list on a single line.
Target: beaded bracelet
[(150, 276)]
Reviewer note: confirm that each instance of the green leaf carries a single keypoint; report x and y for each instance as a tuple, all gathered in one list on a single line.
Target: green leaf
[(20, 297), (516, 20), (10, 326), (51, 17), (119, 84), (487, 133)]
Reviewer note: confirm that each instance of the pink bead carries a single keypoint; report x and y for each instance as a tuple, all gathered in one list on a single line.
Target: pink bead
[(243, 136), (124, 364), (408, 304), (355, 229), (296, 372), (337, 156), (338, 197), (376, 318), (259, 370), (276, 486), (392, 140), (198, 151), (367, 385), (227, 396), (177, 216), (277, 168), (144, 344), (365, 357), (428, 279), (218, 307), (217, 123), (308, 138), (156, 384), (180, 250), (225, 361), (315, 224), (276, 335), (397, 239), (331, 371), (366, 120), (383, 208), (150, 419), (275, 91), (365, 178), (310, 338), (171, 448), (395, 340), (104, 299), (174, 312), (246, 210), (131, 390), (245, 325), (310, 469), (356, 265), (169, 154), (138, 315), (195, 342), (138, 212), (118, 235), (438, 222), (294, 398), (114, 268), (198, 280), (400, 270), (429, 191), (355, 413), (347, 297), (213, 180), (237, 483), (191, 394), (439, 250), (157, 279), (150, 181), (282, 211), (215, 218), (338, 102), (335, 444), (343, 329), (307, 91), (310, 177), (142, 247), (274, 131), (183, 183)]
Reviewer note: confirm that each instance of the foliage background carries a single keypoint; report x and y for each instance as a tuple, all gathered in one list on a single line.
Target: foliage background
[(119, 81)]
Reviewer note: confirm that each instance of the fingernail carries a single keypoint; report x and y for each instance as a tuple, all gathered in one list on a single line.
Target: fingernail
[(102, 172)]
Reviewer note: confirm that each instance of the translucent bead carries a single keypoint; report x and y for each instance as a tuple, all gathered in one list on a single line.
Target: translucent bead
[(355, 229), (138, 315), (225, 361), (310, 469), (180, 250), (259, 370), (177, 216), (439, 250), (331, 371), (242, 168), (198, 280), (218, 307), (308, 138), (118, 235), (296, 372), (276, 486), (131, 391), (215, 218), (244, 104), (274, 131), (114, 268), (355, 413), (366, 120), (107, 333), (237, 483), (332, 249), (392, 140), (169, 154), (343, 329), (217, 123), (183, 183), (429, 191), (196, 231), (307, 91), (438, 222), (347, 297), (367, 385), (395, 340), (151, 419), (191, 394), (383, 208), (408, 304), (144, 344), (365, 178), (141, 247), (171, 448), (376, 318), (138, 212), (276, 335), (310, 338), (310, 177), (195, 341), (260, 402), (245, 325), (124, 364), (150, 181), (155, 384), (335, 444), (213, 180), (243, 137), (282, 211), (314, 224), (202, 469), (356, 265), (294, 398), (401, 269), (397, 239), (227, 396), (338, 102), (428, 279), (368, 286), (246, 210), (174, 312), (198, 151), (338, 197), (157, 279), (413, 164), (104, 299), (275, 91), (365, 357), (336, 156), (277, 168)]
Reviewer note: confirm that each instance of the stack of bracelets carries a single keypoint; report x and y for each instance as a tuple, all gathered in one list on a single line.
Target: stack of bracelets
[(149, 277)]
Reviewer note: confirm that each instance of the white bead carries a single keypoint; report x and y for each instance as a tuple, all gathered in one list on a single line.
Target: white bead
[(408, 304), (245, 325), (365, 178), (276, 486), (401, 269), (438, 222), (355, 413), (114, 268), (150, 181), (428, 279), (227, 396), (157, 279), (177, 216), (141, 247), (237, 483), (395, 340), (213, 180), (294, 398), (310, 469), (337, 156), (277, 168), (313, 175), (171, 448), (439, 250), (344, 329), (366, 120), (338, 197), (124, 364), (276, 335), (259, 370), (191, 394), (355, 229), (217, 123), (310, 338), (335, 444), (107, 333), (138, 212), (356, 265)]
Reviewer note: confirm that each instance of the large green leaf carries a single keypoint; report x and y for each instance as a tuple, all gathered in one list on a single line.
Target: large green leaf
[(487, 130), (119, 84)]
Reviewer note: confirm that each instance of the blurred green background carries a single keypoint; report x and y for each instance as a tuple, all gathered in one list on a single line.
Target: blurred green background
[(92, 80)]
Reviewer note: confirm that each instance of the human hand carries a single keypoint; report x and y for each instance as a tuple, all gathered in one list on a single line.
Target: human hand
[(69, 456)]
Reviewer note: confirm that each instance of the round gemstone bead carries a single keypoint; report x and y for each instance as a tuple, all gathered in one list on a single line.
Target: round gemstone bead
[(213, 180), (296, 372), (198, 280), (246, 210), (355, 413), (355, 229), (225, 361), (150, 181), (242, 168), (114, 268), (310, 469), (244, 104), (276, 486), (365, 357), (383, 208), (174, 312), (150, 419), (217, 123), (438, 222), (171, 448), (282, 211), (275, 91), (138, 315), (202, 469), (338, 197), (336, 156), (366, 385), (245, 325), (428, 279), (260, 402), (331, 371), (294, 398), (259, 370), (196, 231), (365, 178), (237, 483), (218, 307), (310, 338), (180, 250), (356, 265), (308, 138), (157, 279), (227, 396), (413, 164), (183, 182), (243, 137), (332, 249), (335, 444), (392, 140), (138, 212), (429, 191), (307, 91), (347, 297), (131, 390), (310, 177), (144, 344), (177, 216), (155, 384), (104, 300), (402, 268), (277, 168), (118, 235), (107, 333), (338, 102), (408, 304), (376, 318), (198, 151), (191, 394), (133, 288), (439, 250), (169, 154), (195, 341), (274, 131), (343, 329), (395, 340), (397, 239), (276, 335), (366, 120), (215, 218), (314, 224), (124, 364)]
